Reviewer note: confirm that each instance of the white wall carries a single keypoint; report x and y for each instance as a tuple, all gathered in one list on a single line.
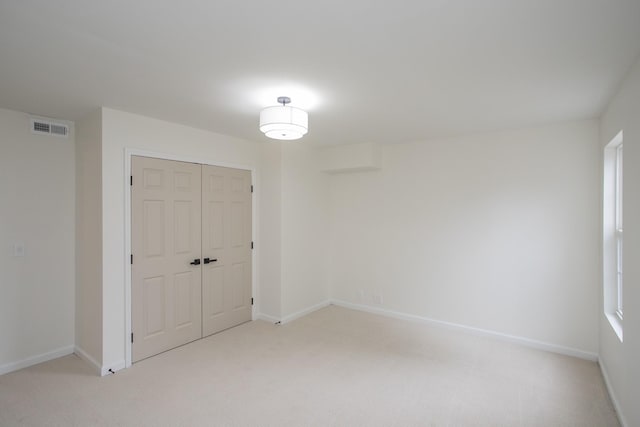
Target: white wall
[(305, 230), (620, 360), (89, 238), (497, 231), (124, 130), (269, 245), (37, 188)]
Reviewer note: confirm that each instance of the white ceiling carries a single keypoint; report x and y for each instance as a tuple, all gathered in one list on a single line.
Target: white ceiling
[(367, 70)]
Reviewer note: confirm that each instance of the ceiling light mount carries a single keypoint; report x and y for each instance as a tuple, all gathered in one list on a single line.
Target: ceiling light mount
[(284, 122)]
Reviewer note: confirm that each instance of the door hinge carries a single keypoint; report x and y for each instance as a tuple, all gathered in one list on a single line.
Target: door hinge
[(131, 337), (252, 188), (251, 300), (131, 259), (251, 245), (131, 180)]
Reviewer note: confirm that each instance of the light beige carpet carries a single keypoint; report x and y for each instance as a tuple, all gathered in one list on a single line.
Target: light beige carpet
[(334, 367)]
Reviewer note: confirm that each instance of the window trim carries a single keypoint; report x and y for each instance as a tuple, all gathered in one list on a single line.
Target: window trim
[(618, 232), (612, 227)]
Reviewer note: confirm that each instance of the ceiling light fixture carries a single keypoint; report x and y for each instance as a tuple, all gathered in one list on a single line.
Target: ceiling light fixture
[(284, 122)]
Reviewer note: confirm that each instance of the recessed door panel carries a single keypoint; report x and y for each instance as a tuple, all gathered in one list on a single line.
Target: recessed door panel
[(216, 183), (237, 282), (153, 179), (237, 224), (182, 181), (183, 228), (237, 184), (154, 306), (215, 225), (183, 290), (154, 220), (213, 292)]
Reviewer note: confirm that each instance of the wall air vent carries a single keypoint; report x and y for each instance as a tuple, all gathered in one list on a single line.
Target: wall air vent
[(48, 127)]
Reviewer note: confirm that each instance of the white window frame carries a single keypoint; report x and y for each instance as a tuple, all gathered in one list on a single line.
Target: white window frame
[(618, 232), (612, 244)]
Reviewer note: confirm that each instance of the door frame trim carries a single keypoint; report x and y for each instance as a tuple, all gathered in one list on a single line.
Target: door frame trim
[(128, 154)]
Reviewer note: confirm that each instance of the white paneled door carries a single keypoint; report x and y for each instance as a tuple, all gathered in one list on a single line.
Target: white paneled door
[(191, 252), (226, 248)]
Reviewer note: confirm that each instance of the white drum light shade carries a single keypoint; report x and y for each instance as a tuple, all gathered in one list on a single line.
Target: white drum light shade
[(284, 122)]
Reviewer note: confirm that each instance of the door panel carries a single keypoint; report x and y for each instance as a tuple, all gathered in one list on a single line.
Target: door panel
[(216, 224), (237, 283), (166, 237), (154, 314), (153, 224), (213, 291), (182, 297), (226, 199)]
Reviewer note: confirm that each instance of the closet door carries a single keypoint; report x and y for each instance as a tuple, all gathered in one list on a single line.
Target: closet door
[(226, 248), (166, 242)]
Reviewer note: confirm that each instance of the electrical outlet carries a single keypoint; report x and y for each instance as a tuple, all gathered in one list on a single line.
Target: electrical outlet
[(361, 295)]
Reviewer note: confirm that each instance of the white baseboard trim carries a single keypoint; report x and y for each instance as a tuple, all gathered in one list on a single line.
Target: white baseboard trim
[(540, 345), (90, 360), (112, 368), (34, 360), (304, 312), (267, 318), (612, 395)]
